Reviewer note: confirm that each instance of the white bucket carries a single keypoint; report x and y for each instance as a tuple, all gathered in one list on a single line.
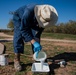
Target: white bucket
[(3, 59), (41, 56)]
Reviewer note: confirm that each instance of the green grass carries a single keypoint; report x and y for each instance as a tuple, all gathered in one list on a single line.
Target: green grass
[(72, 62), (73, 73), (58, 36)]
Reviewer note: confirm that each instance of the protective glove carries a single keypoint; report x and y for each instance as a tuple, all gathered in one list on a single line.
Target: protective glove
[(37, 48)]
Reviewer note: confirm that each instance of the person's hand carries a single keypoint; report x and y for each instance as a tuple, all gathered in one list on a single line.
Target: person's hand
[(37, 48)]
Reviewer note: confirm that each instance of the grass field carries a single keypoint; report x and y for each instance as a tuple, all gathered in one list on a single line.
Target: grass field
[(59, 36), (54, 50)]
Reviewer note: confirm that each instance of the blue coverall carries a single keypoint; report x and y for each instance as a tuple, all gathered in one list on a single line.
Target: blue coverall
[(25, 27)]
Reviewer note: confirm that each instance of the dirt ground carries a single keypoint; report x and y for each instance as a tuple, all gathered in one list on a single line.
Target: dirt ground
[(63, 50), (56, 52)]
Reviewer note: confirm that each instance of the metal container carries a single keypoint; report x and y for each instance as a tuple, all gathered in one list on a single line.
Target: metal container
[(62, 63)]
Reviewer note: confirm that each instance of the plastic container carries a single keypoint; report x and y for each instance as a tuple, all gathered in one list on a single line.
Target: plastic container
[(41, 56), (36, 67), (3, 59)]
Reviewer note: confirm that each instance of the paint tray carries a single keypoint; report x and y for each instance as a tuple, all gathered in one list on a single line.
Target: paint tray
[(36, 67)]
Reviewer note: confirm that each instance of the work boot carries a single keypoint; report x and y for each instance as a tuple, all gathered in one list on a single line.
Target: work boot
[(17, 64)]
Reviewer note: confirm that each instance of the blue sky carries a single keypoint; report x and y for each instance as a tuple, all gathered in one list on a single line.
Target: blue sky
[(66, 9)]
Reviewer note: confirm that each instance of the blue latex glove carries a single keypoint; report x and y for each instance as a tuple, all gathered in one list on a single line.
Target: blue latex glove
[(37, 48)]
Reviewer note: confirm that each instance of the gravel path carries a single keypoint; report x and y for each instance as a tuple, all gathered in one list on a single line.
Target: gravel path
[(44, 39), (59, 40), (5, 35)]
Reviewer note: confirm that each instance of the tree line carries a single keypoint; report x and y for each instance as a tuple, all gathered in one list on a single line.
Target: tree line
[(67, 28)]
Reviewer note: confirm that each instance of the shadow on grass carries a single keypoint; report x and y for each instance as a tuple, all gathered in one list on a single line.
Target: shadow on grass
[(67, 56), (4, 49), (11, 63), (25, 65), (5, 40)]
